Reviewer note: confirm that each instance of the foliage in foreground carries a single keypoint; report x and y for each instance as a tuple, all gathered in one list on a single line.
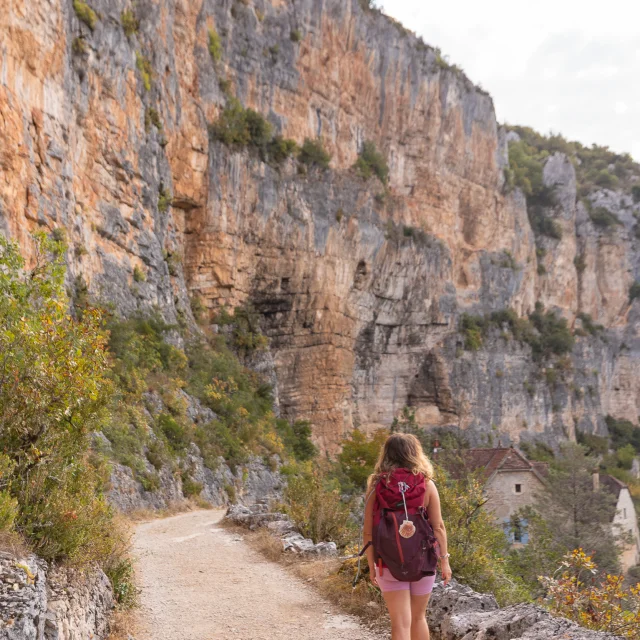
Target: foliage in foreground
[(317, 508), (599, 602), (53, 390)]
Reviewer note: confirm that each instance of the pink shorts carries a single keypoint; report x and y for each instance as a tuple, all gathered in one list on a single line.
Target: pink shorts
[(388, 583)]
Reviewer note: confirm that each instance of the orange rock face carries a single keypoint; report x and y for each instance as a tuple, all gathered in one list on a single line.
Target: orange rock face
[(360, 287)]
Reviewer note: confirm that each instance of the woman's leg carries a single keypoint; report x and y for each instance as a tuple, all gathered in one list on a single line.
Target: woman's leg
[(399, 605), (419, 627)]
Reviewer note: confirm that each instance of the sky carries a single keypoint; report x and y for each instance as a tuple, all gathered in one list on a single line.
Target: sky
[(567, 66)]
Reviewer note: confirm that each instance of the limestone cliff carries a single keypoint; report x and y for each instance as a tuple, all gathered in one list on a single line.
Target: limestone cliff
[(360, 289)]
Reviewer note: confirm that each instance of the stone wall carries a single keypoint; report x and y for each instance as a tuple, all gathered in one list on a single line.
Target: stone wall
[(42, 603), (503, 499), (457, 612)]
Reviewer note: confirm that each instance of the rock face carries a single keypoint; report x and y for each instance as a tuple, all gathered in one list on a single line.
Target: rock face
[(359, 289), (457, 612), (39, 603), (279, 524), (252, 482)]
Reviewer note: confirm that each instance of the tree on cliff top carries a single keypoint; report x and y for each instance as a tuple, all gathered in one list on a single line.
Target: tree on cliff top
[(53, 388)]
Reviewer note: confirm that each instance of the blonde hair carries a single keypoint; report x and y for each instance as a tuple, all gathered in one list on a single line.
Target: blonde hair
[(402, 450)]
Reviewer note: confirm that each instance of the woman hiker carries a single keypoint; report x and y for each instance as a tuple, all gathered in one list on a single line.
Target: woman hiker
[(404, 535)]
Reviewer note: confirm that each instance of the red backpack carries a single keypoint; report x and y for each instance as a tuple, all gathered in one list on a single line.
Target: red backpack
[(403, 539)]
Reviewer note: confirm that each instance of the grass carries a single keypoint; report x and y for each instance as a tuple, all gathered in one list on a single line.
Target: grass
[(215, 46), (295, 35), (85, 14), (164, 199), (129, 22), (145, 69)]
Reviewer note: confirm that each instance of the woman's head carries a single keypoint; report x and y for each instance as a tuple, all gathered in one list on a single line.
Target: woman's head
[(403, 450)]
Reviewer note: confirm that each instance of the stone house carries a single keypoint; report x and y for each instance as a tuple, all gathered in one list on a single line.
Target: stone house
[(625, 521), (510, 481)]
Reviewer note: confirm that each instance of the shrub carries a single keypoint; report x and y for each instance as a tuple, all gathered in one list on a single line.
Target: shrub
[(122, 578), (635, 193), (634, 291), (55, 387), (313, 154), (589, 325), (260, 131), (359, 454), (603, 218), (164, 199), (191, 488), (152, 117), (129, 22), (215, 46), (138, 274), (79, 46), (85, 13), (372, 162), (297, 438), (174, 432), (472, 328), (145, 69), (279, 149), (599, 602), (606, 179), (295, 35), (317, 510), (580, 263)]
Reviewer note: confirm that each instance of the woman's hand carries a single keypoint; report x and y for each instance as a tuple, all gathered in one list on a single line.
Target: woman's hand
[(445, 570), (372, 575)]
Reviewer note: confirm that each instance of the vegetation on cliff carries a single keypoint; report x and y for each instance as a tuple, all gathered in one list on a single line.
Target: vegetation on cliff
[(597, 167), (547, 334)]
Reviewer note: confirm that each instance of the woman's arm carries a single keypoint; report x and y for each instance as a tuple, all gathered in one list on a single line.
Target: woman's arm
[(367, 532), (435, 518)]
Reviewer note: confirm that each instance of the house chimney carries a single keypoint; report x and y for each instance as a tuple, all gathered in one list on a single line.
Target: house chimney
[(596, 481)]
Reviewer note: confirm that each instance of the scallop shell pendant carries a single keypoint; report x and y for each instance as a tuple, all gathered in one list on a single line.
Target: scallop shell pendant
[(407, 529)]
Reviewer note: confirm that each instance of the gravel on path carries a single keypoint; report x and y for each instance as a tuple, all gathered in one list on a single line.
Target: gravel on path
[(200, 581)]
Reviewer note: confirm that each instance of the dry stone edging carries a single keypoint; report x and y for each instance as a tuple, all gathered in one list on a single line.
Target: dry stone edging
[(39, 602), (259, 516), (457, 612)]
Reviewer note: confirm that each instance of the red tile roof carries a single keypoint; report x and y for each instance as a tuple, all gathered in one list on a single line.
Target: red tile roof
[(500, 459)]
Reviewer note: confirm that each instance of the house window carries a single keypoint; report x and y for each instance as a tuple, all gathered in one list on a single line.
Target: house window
[(519, 489), (517, 532)]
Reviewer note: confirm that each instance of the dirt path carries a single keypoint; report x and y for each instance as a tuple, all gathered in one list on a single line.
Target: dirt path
[(202, 582)]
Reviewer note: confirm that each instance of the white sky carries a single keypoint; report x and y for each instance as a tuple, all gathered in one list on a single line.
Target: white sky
[(568, 66)]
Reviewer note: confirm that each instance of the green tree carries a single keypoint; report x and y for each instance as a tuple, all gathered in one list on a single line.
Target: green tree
[(53, 388), (578, 516), (359, 455)]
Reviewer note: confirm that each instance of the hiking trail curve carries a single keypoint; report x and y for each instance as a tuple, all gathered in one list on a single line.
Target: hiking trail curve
[(200, 581)]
